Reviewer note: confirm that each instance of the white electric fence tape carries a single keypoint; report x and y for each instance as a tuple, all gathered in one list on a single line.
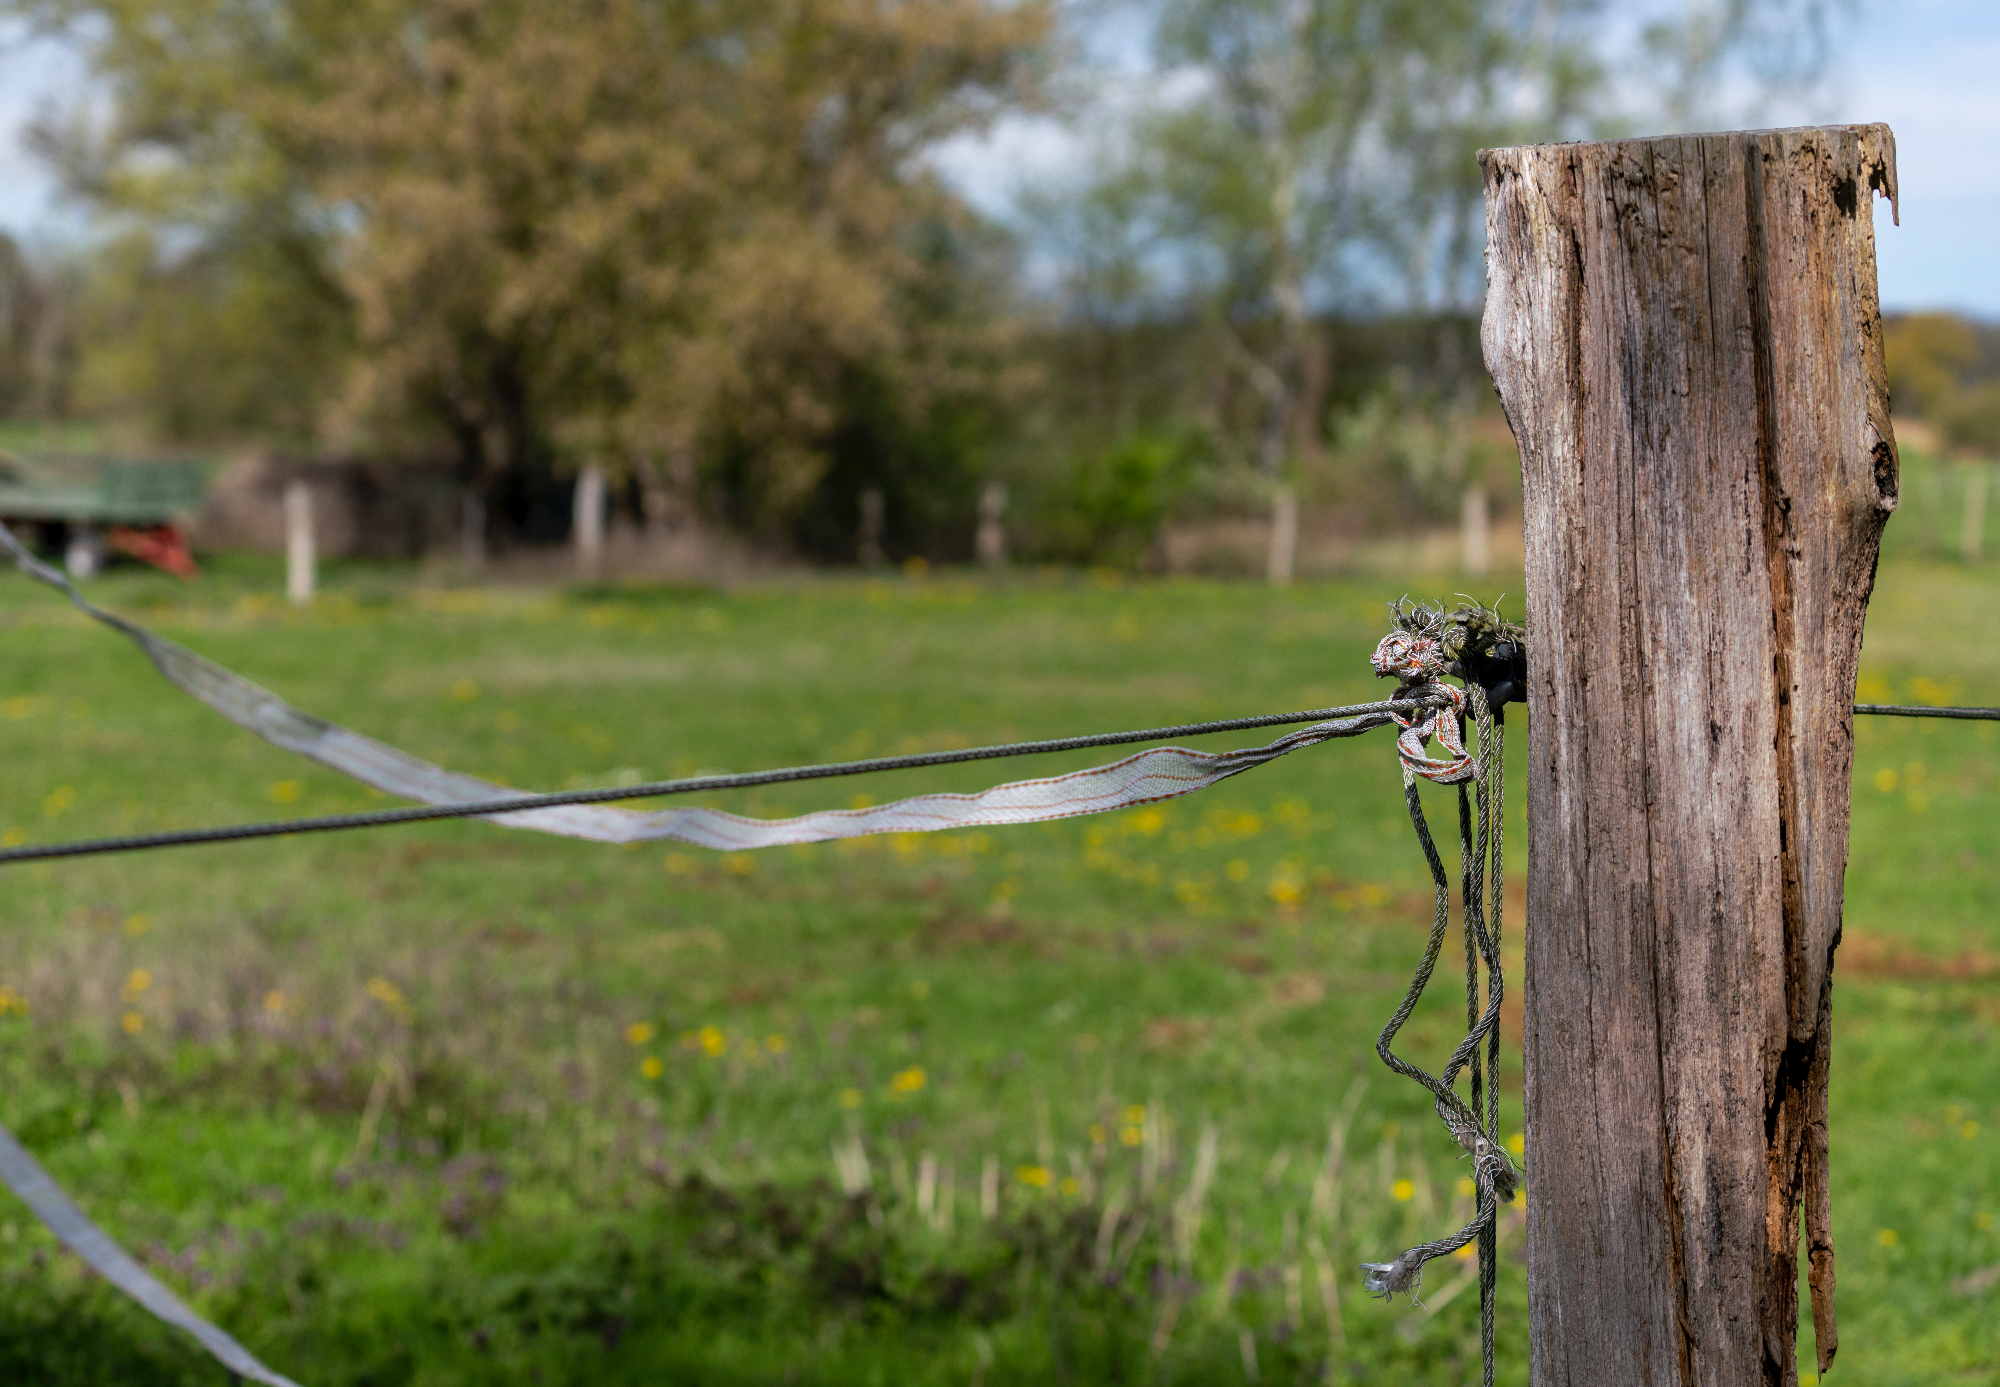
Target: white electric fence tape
[(25, 1176), (1155, 774)]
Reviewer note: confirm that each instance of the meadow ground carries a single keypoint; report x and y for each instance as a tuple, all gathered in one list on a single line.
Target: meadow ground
[(1092, 1101)]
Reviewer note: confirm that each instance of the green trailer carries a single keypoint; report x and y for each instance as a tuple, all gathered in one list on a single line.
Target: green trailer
[(86, 507)]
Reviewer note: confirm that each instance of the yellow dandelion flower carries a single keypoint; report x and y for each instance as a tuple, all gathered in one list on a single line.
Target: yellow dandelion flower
[(712, 1040), (1237, 870), (1099, 1134), (1885, 780), (1034, 1176), (1465, 1187), (1135, 1115), (275, 1002), (909, 1081), (651, 1067), (287, 792), (136, 983), (1520, 1199), (389, 995), (639, 1032), (850, 1098), (1886, 1237), (465, 691), (775, 1043), (1403, 1191), (1968, 1129), (1982, 1220), (679, 864), (1518, 1143), (132, 1023), (1068, 1185), (1468, 1252), (60, 799), (136, 925), (1131, 1136), (740, 864)]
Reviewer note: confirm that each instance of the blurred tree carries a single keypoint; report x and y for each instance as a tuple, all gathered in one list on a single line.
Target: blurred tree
[(1945, 370), (1290, 161), (1315, 130), (1716, 63), (646, 235), (37, 357), (1930, 357)]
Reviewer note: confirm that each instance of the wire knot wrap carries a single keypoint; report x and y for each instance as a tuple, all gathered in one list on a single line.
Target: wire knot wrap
[(1416, 659), (1429, 643), (1473, 644)]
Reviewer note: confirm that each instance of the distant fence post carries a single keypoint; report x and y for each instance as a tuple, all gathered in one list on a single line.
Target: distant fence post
[(989, 543), (868, 545), (1686, 337), (301, 558), (1475, 525), (587, 521), (1972, 529)]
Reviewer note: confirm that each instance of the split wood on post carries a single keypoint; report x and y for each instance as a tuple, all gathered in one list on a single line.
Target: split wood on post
[(1686, 337)]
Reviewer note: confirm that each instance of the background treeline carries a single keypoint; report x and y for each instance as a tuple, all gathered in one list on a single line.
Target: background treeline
[(703, 247)]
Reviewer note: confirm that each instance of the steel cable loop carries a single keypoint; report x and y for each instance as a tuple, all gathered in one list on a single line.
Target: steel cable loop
[(1476, 1127), (1441, 919)]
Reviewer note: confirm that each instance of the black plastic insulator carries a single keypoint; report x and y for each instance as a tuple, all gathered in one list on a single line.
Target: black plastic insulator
[(1502, 672)]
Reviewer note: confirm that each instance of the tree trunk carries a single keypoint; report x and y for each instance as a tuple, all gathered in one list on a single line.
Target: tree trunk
[(1282, 557), (1686, 338)]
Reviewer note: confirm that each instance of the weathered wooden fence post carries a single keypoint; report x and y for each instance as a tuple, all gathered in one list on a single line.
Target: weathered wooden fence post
[(1686, 337)]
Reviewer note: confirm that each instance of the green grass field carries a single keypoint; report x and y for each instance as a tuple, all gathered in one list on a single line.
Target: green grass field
[(1083, 1102)]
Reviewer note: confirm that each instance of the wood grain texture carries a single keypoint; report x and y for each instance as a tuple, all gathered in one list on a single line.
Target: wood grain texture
[(1686, 337)]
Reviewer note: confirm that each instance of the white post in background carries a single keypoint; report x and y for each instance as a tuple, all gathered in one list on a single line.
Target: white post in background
[(1972, 534), (1476, 529), (868, 550), (990, 543), (587, 521), (1284, 534), (84, 555), (472, 530), (300, 558)]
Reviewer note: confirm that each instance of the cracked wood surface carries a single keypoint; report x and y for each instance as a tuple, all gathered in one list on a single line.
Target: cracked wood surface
[(1686, 337)]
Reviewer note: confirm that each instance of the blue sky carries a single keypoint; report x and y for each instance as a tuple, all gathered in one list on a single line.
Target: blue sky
[(1931, 68)]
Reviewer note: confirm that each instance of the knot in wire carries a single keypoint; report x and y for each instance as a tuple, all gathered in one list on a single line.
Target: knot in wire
[(1402, 1276), (1492, 1167), (1418, 654)]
